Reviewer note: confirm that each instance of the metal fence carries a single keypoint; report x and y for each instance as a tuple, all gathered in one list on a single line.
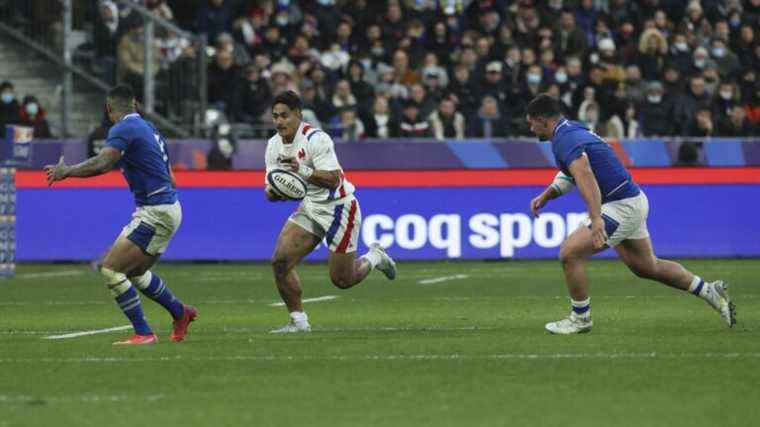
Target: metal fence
[(98, 44)]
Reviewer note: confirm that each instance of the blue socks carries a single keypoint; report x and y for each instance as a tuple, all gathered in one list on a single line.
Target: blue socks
[(129, 302), (158, 292)]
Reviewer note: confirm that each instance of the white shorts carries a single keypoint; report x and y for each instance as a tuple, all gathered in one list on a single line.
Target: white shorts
[(625, 219), (152, 227), (337, 221)]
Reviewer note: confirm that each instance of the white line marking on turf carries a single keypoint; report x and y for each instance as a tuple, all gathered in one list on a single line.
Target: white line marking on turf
[(85, 333), (393, 357), (62, 273), (443, 279), (89, 398), (317, 299)]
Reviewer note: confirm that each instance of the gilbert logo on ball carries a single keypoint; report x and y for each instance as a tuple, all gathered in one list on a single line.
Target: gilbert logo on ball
[(287, 184)]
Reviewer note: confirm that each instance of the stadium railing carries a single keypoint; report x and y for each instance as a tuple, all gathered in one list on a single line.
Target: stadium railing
[(171, 87)]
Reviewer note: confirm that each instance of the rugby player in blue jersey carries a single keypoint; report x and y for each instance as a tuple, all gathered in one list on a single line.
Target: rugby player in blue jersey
[(135, 146), (617, 210)]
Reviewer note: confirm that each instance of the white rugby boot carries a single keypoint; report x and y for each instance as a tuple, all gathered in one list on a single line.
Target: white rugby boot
[(292, 328), (387, 265), (572, 324), (716, 294)]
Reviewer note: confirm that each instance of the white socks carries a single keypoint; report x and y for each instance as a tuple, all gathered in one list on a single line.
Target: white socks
[(299, 317), (697, 286), (581, 309), (373, 257)]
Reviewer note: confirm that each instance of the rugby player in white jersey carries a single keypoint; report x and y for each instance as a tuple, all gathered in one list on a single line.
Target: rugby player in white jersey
[(329, 211)]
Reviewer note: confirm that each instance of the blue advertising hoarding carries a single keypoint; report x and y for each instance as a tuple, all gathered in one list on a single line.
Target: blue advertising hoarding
[(414, 223)]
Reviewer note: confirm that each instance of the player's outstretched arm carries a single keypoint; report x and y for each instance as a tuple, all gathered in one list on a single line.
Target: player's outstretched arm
[(584, 177), (561, 185), (97, 165)]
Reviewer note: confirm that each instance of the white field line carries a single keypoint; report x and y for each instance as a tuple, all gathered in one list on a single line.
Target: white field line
[(394, 357), (88, 398), (452, 298), (443, 279), (374, 329), (62, 273), (85, 333), (317, 299)]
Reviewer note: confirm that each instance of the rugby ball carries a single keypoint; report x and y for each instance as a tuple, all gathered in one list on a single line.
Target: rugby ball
[(287, 184)]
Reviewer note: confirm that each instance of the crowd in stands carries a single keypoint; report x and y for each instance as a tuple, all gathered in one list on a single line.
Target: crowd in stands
[(459, 68), (455, 68)]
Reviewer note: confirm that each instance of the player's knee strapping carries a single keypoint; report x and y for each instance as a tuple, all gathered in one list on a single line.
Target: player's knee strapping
[(142, 282), (127, 298), (116, 282)]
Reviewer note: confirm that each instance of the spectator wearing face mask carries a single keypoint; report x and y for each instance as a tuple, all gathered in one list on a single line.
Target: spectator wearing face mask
[(724, 99), (701, 61), (9, 109), (222, 149), (680, 55), (33, 115), (656, 112), (725, 59)]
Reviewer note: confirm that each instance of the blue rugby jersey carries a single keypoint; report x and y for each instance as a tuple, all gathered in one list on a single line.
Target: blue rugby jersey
[(571, 139), (144, 161)]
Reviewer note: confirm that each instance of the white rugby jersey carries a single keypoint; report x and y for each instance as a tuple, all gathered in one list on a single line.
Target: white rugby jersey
[(314, 148)]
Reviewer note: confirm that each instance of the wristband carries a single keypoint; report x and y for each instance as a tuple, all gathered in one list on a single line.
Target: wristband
[(304, 171)]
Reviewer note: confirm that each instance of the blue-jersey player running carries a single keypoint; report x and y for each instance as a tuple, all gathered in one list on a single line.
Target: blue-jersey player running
[(136, 147), (617, 210)]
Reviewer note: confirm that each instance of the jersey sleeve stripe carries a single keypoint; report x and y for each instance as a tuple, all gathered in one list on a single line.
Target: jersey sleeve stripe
[(308, 137)]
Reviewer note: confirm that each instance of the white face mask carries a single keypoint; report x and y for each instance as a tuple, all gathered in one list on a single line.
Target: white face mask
[(726, 94), (700, 63), (682, 47), (561, 78), (654, 99), (718, 52), (534, 79)]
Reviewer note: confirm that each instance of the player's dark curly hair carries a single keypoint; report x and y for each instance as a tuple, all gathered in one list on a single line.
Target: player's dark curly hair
[(289, 98), (544, 105), (120, 98)]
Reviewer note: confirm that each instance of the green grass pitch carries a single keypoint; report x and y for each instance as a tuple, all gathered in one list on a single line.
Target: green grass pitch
[(467, 350)]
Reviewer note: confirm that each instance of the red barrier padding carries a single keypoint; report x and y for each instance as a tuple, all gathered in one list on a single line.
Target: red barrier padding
[(408, 179)]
